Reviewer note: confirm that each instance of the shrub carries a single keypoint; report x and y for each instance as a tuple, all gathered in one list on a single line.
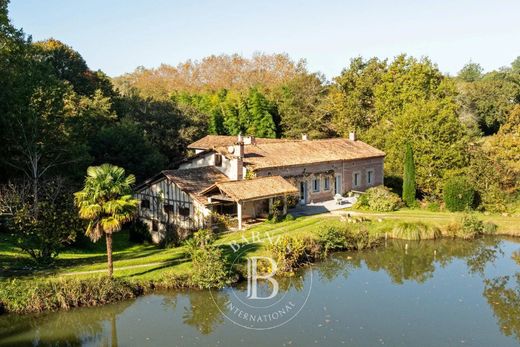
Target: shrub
[(209, 266), (44, 235), (289, 217), (458, 194), (224, 222), (21, 296), (490, 228), (415, 231), (468, 227), (344, 237), (137, 231), (275, 213), (379, 199), (361, 202), (292, 201), (433, 206), (471, 227), (289, 254), (333, 238), (313, 248), (363, 239)]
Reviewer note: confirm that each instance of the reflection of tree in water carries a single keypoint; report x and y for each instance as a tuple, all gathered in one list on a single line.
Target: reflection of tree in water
[(504, 299), (503, 296), (413, 260), (67, 328), (203, 313)]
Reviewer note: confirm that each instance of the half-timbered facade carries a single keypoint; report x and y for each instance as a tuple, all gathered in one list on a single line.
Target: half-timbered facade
[(242, 176)]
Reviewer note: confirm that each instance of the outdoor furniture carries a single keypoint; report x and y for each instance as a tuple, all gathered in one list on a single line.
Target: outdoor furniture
[(338, 198)]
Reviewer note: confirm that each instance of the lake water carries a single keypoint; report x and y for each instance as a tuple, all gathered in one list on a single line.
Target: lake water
[(442, 293)]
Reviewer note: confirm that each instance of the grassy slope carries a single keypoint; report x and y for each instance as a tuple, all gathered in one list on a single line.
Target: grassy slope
[(152, 262)]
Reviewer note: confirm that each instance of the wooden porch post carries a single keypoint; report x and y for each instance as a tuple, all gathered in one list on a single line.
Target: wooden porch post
[(239, 215), (284, 205), (270, 205)]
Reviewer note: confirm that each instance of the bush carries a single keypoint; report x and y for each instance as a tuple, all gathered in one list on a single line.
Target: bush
[(458, 194), (471, 226), (333, 238), (21, 296), (275, 213), (209, 266), (362, 239), (433, 206), (415, 231), (490, 228), (289, 254), (137, 231), (379, 199), (344, 237), (289, 217), (468, 227), (44, 235)]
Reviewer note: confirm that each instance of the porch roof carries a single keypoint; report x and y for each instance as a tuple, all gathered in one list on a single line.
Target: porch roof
[(253, 189)]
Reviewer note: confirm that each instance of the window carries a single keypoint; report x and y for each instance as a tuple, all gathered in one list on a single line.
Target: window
[(370, 177), (316, 185), (168, 208), (355, 179), (145, 203), (218, 160), (326, 183), (155, 225), (184, 211)]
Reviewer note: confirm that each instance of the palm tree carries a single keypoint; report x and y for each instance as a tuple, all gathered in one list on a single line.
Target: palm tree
[(106, 202)]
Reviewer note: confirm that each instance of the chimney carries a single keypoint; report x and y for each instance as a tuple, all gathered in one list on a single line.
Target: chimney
[(237, 162), (239, 138), (249, 140), (305, 137), (352, 136)]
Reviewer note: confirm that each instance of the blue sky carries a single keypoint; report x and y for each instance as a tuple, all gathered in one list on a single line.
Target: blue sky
[(116, 36)]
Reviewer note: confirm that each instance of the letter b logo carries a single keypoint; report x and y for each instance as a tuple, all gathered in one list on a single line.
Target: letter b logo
[(253, 276)]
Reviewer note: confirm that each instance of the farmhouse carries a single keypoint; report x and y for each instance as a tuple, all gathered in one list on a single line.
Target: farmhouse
[(246, 177)]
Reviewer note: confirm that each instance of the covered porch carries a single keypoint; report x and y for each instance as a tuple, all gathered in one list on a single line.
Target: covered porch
[(250, 199)]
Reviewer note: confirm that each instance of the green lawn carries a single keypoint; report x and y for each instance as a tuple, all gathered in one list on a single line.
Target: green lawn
[(146, 261)]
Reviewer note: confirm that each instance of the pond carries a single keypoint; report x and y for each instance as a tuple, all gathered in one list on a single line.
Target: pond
[(434, 293)]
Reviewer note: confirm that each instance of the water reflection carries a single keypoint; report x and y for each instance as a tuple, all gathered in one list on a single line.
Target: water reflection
[(175, 315), (503, 296), (204, 314), (90, 326), (414, 260)]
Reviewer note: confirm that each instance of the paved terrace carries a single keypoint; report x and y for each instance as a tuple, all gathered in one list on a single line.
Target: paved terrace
[(322, 207)]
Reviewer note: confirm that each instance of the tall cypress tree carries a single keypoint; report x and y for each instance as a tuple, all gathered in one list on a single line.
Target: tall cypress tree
[(409, 177)]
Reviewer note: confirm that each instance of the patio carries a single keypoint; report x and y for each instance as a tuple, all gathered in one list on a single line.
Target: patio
[(322, 207)]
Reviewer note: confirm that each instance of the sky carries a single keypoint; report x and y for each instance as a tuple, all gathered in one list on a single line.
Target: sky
[(117, 36)]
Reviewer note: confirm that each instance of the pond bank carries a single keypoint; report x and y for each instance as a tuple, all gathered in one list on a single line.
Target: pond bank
[(435, 293), (173, 271)]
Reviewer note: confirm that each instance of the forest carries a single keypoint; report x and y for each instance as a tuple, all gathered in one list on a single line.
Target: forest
[(58, 117)]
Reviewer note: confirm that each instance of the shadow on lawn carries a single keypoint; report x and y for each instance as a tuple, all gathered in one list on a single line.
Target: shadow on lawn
[(14, 263)]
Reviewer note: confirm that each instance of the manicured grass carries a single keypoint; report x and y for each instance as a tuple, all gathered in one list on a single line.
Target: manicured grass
[(148, 262)]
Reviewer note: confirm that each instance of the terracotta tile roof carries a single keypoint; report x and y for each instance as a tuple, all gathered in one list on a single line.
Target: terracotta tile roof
[(290, 153), (212, 141), (253, 189), (194, 181)]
